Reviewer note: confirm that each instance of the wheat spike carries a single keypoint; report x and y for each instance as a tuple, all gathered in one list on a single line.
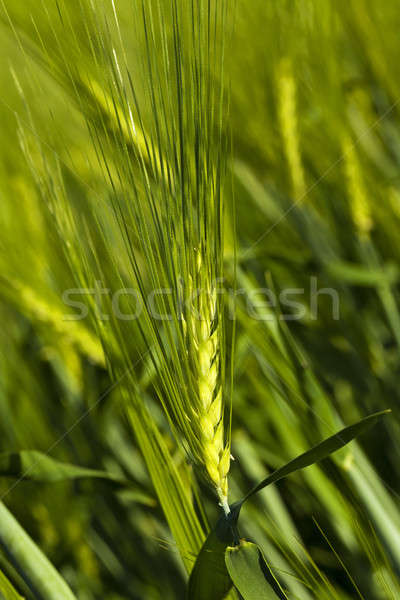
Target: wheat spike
[(360, 208), (289, 128), (202, 330), (165, 171)]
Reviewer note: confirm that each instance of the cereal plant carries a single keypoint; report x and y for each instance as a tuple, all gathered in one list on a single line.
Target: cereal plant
[(199, 298)]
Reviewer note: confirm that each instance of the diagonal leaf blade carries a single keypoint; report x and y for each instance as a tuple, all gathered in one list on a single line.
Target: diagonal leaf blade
[(210, 579), (36, 466), (32, 465), (30, 562), (7, 590), (318, 452)]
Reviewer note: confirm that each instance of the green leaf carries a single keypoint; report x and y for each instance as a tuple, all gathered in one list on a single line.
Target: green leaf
[(14, 578), (32, 465), (355, 274), (209, 579), (317, 453), (7, 590), (36, 466), (250, 573), (29, 561)]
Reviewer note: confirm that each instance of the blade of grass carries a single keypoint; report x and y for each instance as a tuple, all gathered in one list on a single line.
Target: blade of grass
[(320, 451), (30, 562)]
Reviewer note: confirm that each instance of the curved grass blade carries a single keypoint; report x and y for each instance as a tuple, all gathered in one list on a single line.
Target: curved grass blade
[(250, 573), (355, 274), (318, 452), (7, 590), (30, 562), (209, 579), (14, 578), (33, 465)]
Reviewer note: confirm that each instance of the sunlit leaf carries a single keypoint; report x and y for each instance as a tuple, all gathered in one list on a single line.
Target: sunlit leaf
[(319, 452)]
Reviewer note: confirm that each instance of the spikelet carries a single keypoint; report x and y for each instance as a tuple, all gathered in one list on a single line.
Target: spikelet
[(203, 337), (360, 208), (288, 124)]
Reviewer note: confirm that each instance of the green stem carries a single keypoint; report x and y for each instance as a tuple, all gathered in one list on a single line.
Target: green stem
[(223, 500)]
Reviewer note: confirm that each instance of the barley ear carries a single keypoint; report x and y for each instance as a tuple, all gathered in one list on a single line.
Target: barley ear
[(205, 328)]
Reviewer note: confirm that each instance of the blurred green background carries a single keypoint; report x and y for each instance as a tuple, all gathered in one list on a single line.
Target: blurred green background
[(314, 171)]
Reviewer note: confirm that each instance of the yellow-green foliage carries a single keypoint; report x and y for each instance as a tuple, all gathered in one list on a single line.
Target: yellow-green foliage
[(228, 153)]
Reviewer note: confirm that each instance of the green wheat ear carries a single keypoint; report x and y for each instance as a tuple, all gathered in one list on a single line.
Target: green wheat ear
[(286, 88), (359, 205), (202, 330), (164, 173)]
